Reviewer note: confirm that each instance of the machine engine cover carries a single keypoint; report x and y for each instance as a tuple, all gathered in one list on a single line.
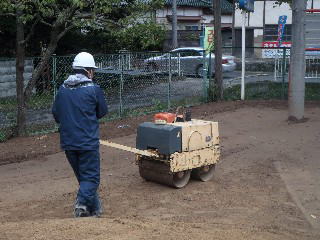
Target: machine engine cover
[(198, 134), (165, 138)]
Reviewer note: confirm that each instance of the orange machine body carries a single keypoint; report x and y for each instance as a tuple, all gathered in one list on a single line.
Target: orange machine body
[(165, 116)]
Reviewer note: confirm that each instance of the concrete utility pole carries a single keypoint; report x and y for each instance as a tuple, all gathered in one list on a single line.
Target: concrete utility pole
[(174, 25), (218, 49), (298, 62)]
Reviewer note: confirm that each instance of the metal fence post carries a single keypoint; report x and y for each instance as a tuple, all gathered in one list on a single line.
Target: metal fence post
[(283, 71), (54, 74), (179, 65), (210, 69), (211, 83), (275, 69), (204, 77), (129, 61), (169, 83), (121, 85)]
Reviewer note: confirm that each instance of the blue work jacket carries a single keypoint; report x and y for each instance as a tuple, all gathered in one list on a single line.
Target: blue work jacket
[(77, 108)]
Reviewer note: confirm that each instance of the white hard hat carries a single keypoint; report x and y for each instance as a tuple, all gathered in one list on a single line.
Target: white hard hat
[(83, 60)]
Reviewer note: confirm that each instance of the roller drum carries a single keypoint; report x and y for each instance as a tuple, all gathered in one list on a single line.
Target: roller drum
[(159, 172)]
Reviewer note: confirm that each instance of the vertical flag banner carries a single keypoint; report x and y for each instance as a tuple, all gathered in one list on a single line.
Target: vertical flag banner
[(209, 39), (281, 27)]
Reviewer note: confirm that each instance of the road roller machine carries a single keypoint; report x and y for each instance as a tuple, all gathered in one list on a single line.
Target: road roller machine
[(172, 149)]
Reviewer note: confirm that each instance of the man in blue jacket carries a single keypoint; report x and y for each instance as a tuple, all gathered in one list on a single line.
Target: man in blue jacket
[(77, 107)]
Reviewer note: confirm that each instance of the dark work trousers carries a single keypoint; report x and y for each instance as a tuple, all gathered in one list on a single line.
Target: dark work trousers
[(86, 167)]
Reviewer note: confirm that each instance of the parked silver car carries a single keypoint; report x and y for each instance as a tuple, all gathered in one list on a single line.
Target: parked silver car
[(188, 61)]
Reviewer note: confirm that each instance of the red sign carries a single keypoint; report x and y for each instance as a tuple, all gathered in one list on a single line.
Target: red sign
[(274, 44)]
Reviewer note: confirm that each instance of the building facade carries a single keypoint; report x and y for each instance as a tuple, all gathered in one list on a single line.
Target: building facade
[(192, 17), (262, 24)]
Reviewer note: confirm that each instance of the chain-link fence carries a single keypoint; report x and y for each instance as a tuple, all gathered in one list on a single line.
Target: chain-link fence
[(267, 74), (140, 83)]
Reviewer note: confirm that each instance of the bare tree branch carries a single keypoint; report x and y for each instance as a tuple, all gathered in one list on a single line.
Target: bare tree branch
[(83, 15), (18, 3), (32, 29), (7, 14), (46, 23), (67, 29), (73, 10), (101, 20), (56, 9)]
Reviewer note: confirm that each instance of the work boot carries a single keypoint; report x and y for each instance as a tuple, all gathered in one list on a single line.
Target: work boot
[(81, 211), (97, 209)]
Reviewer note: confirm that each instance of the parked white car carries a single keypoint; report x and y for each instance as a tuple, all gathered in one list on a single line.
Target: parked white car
[(188, 60)]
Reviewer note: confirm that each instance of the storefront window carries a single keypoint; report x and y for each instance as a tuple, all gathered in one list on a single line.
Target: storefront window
[(192, 27), (271, 33)]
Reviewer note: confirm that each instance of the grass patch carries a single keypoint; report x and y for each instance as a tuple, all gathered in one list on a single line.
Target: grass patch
[(156, 106), (312, 91), (110, 116), (270, 90), (39, 129), (3, 135), (43, 101), (187, 102)]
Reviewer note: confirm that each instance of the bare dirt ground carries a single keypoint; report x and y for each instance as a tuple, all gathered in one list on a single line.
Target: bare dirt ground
[(266, 185)]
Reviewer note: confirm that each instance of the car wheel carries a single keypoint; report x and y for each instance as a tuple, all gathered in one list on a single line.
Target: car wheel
[(152, 67), (199, 71)]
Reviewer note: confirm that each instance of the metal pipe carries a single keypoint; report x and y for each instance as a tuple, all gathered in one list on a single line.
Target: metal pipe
[(243, 54)]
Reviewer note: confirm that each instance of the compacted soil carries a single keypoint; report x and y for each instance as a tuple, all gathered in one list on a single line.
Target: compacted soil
[(266, 185)]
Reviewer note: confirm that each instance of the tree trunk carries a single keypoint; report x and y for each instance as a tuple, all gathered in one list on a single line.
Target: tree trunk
[(297, 68), (174, 25), (23, 94), (44, 61), (20, 58), (218, 50)]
